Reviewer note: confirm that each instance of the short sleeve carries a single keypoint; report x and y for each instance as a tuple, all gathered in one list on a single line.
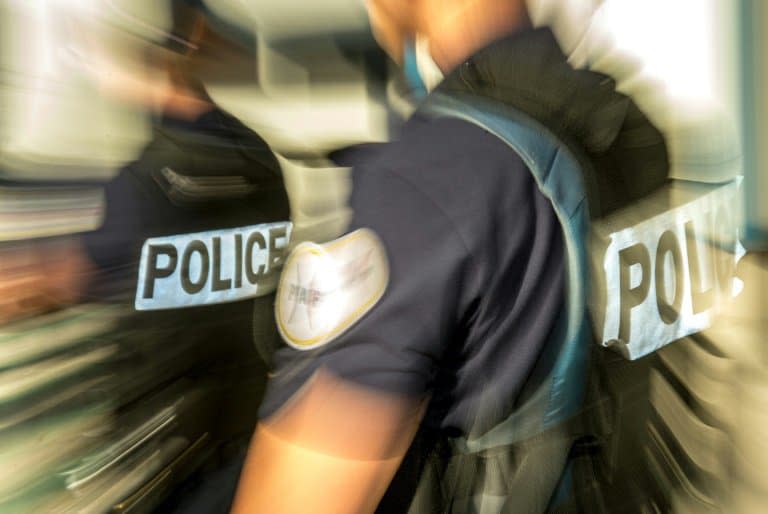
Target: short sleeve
[(396, 346)]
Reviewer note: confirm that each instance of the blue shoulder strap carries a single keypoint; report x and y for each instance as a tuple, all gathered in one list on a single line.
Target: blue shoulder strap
[(558, 382)]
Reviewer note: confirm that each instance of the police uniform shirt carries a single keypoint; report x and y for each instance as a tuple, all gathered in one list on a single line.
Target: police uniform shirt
[(476, 277), (138, 208)]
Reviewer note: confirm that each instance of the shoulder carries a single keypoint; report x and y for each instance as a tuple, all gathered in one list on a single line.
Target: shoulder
[(449, 168), (452, 162), (429, 151)]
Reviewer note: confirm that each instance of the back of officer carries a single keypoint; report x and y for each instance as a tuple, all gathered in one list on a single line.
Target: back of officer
[(436, 353)]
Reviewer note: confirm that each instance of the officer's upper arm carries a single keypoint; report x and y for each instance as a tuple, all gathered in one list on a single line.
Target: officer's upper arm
[(397, 341), (335, 448)]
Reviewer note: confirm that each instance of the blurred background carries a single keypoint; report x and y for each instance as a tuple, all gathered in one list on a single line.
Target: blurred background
[(104, 408)]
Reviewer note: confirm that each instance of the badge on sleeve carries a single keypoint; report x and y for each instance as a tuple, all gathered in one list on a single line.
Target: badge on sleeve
[(325, 289)]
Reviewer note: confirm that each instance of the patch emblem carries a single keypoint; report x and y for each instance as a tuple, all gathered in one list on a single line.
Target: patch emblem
[(211, 267), (325, 289)]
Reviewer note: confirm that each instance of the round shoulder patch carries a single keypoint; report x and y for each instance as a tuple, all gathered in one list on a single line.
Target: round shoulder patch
[(325, 289)]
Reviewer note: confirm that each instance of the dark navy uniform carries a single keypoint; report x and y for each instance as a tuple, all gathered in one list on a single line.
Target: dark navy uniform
[(476, 277)]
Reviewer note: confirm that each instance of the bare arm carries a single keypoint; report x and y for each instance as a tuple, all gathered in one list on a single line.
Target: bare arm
[(333, 449)]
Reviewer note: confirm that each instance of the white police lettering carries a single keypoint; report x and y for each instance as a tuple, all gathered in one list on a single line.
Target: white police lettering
[(326, 288), (666, 276), (211, 267)]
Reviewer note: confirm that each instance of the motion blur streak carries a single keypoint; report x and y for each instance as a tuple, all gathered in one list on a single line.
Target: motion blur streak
[(102, 410)]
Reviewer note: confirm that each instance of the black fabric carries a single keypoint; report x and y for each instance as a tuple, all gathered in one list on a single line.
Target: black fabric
[(624, 155), (216, 137), (215, 144), (220, 336), (429, 449)]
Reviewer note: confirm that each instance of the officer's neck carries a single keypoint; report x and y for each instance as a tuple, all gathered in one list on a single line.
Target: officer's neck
[(454, 36)]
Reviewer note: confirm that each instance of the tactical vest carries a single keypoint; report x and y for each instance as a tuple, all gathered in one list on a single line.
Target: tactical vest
[(635, 283), (198, 227)]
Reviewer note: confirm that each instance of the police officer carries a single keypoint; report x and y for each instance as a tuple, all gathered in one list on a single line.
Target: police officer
[(434, 355), (195, 229)]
